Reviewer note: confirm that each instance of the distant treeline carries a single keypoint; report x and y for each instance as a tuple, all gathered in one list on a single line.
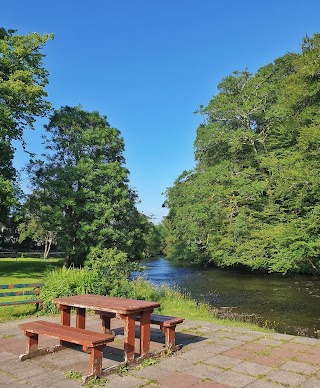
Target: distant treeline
[(253, 198)]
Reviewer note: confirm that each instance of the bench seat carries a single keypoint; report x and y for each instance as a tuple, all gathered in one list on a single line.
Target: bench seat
[(167, 325), (90, 341)]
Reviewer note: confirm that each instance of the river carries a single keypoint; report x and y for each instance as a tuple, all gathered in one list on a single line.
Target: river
[(289, 304)]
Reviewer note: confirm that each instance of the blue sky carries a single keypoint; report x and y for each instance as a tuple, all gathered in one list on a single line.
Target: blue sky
[(148, 65)]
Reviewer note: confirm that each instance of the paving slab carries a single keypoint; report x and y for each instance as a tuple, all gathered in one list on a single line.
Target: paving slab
[(212, 356)]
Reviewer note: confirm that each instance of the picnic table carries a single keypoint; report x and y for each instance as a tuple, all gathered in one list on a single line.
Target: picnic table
[(126, 309)]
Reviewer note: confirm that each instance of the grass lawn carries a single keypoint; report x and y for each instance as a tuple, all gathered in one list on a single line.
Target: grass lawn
[(22, 270)]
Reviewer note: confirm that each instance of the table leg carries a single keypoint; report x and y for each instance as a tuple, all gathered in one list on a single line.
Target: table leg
[(145, 332), (129, 336), (65, 316), (80, 318)]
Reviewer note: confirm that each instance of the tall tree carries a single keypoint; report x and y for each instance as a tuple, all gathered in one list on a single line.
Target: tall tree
[(22, 99), (85, 182), (253, 198)]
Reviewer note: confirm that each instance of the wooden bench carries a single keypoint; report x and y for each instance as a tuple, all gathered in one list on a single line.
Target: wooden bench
[(90, 341), (167, 325), (25, 289)]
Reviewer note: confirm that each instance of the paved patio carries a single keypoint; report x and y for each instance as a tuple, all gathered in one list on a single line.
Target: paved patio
[(212, 356)]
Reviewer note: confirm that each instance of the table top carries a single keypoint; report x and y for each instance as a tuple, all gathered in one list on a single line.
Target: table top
[(107, 303)]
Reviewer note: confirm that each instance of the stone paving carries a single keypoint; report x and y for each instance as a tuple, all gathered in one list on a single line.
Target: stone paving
[(212, 356)]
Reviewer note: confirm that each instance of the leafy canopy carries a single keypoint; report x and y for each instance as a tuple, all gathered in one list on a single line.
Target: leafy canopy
[(84, 183), (22, 99), (253, 198)]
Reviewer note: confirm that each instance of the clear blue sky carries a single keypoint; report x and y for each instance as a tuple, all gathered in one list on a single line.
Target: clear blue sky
[(148, 65)]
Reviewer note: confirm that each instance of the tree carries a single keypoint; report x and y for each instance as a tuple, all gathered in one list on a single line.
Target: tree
[(36, 221), (253, 197), (153, 239), (22, 99), (85, 182)]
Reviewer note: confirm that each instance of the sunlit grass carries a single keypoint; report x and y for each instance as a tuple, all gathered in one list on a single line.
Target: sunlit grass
[(22, 270), (25, 270)]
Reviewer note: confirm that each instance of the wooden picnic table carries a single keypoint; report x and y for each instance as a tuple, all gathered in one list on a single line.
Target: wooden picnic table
[(127, 309)]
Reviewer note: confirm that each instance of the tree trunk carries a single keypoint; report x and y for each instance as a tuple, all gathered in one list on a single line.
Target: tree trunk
[(47, 246)]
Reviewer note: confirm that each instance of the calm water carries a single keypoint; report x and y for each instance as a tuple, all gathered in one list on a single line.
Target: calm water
[(290, 304)]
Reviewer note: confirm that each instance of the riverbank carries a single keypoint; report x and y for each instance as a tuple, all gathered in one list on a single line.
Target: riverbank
[(212, 356)]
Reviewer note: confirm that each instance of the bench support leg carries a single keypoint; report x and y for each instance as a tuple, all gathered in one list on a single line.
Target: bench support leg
[(96, 360), (170, 336), (32, 342)]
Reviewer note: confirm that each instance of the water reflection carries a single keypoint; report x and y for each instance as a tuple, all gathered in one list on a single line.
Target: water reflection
[(289, 303)]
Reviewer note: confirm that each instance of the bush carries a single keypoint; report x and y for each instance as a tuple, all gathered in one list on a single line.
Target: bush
[(112, 271), (67, 282), (106, 272)]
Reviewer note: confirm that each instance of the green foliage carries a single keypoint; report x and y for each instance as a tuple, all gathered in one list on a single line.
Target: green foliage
[(35, 216), (22, 99), (82, 186), (123, 370), (154, 240), (73, 375), (67, 282), (112, 271), (96, 382), (23, 79), (253, 198), (141, 289), (106, 272), (148, 362)]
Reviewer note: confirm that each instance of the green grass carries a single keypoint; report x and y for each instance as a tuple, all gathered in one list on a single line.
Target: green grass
[(25, 270), (22, 270)]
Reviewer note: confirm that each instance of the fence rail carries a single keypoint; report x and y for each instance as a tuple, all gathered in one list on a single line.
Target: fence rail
[(20, 254)]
